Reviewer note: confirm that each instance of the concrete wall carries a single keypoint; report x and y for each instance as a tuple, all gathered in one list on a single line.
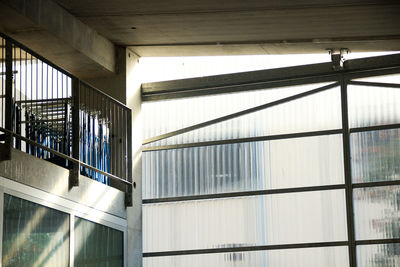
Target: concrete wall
[(114, 85), (48, 177)]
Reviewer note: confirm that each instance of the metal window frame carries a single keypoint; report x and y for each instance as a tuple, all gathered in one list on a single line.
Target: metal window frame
[(69, 207), (230, 83)]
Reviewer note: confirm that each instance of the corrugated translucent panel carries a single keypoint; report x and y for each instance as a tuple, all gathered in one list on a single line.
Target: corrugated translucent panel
[(375, 156), (165, 116), (320, 111), (307, 257), (385, 255), (370, 106), (297, 162), (34, 235), (97, 245), (392, 78), (377, 212), (246, 221)]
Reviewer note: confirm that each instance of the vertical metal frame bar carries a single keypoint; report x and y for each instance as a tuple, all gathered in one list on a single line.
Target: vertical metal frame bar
[(347, 174), (1, 222), (71, 239)]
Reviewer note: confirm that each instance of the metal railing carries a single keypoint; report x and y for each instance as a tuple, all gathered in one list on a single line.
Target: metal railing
[(51, 114)]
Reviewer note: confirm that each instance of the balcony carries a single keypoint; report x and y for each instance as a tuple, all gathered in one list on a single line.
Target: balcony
[(52, 115)]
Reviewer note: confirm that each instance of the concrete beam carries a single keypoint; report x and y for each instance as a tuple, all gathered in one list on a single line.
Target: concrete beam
[(52, 32)]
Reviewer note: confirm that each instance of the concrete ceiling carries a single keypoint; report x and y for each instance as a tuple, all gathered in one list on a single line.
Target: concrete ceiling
[(214, 27)]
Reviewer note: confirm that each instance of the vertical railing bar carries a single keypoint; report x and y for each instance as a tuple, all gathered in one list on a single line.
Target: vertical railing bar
[(37, 125), (42, 126), (89, 107), (8, 99), (347, 170), (124, 171), (122, 142), (26, 108), (93, 130), (14, 96), (115, 120), (120, 136), (114, 168), (74, 173), (2, 82), (108, 129), (47, 98)]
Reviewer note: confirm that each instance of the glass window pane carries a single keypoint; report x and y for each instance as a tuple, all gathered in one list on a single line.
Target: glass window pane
[(34, 235), (377, 213), (370, 106), (320, 111), (307, 257), (257, 220), (375, 156), (97, 245), (165, 116), (385, 255), (297, 162)]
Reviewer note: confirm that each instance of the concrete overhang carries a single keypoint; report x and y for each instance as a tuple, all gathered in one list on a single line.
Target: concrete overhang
[(54, 33)]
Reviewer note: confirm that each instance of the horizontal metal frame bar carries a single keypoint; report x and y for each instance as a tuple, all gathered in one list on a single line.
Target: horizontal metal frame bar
[(239, 88), (375, 128), (374, 84), (366, 73), (269, 192), (245, 193), (271, 137), (376, 184), (231, 79), (244, 140), (39, 121), (378, 241), (355, 68), (116, 178), (240, 113), (52, 100), (244, 249)]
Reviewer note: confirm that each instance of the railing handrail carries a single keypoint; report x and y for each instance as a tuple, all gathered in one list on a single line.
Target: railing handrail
[(73, 160), (104, 94)]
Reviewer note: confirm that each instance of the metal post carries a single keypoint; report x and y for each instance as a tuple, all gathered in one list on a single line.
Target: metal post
[(6, 155), (128, 195), (74, 172), (347, 172)]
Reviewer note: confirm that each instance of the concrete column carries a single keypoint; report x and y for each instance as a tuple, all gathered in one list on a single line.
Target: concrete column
[(134, 213)]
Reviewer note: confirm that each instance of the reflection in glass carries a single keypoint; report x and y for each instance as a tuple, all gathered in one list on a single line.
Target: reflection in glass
[(371, 106), (297, 162), (377, 212), (34, 235), (307, 257), (246, 221), (375, 156), (385, 255), (97, 245), (320, 111)]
